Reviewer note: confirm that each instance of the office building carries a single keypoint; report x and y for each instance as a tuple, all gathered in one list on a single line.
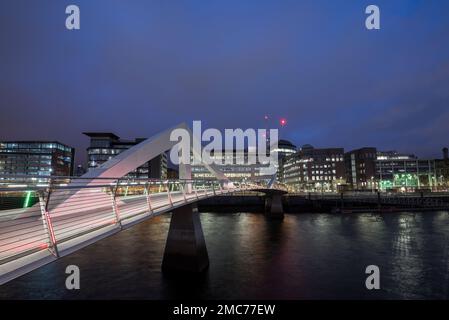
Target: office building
[(234, 165), (314, 169), (360, 165), (105, 145), (284, 149), (442, 168), (42, 159), (402, 172)]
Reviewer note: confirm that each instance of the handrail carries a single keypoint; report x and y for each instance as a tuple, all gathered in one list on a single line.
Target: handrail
[(49, 221)]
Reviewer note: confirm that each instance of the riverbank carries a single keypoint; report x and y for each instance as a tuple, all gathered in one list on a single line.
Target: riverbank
[(302, 204)]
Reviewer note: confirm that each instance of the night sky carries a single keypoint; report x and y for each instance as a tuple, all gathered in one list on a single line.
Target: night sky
[(138, 67)]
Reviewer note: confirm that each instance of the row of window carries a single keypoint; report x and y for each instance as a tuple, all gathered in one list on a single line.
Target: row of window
[(9, 162), (24, 156), (33, 146), (104, 151)]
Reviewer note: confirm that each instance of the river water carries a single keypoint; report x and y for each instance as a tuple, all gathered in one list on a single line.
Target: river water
[(306, 256)]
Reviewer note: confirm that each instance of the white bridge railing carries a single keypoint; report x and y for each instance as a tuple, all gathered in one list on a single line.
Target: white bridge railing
[(41, 221)]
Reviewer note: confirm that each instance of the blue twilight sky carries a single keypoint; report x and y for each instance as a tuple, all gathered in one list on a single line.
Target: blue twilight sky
[(137, 67)]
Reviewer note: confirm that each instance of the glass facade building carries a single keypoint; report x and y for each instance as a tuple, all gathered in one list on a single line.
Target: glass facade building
[(234, 164), (36, 158), (284, 149), (398, 172)]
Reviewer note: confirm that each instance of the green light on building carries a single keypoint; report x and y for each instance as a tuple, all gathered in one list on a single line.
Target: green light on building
[(385, 184), (405, 180), (27, 199)]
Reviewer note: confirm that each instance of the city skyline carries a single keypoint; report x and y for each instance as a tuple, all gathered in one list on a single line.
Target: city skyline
[(224, 158), (81, 155)]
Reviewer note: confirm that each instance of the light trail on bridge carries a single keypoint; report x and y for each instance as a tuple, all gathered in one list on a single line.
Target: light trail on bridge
[(72, 214)]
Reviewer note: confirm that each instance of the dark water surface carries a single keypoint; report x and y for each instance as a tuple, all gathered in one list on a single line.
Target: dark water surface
[(306, 256)]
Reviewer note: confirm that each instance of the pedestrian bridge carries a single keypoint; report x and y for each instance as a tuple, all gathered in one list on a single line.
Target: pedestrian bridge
[(41, 222), (63, 216)]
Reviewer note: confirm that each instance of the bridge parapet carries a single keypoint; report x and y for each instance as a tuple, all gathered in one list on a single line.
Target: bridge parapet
[(41, 221)]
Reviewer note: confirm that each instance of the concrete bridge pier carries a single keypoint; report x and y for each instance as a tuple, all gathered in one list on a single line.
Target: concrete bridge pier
[(185, 250), (273, 206)]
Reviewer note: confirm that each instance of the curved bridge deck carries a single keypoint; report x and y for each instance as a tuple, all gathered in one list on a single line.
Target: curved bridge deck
[(66, 218)]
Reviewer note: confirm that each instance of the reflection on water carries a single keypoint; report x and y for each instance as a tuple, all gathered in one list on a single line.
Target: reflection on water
[(306, 256)]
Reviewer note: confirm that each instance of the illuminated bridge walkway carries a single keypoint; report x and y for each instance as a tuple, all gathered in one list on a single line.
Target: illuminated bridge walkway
[(62, 217)]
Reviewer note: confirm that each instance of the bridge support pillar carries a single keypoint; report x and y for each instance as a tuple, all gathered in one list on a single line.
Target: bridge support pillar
[(273, 206), (185, 250)]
